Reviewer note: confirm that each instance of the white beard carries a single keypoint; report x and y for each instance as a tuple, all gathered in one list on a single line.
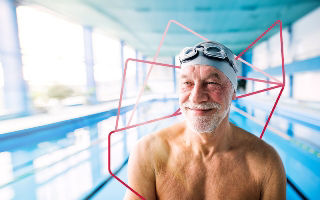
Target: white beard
[(203, 124)]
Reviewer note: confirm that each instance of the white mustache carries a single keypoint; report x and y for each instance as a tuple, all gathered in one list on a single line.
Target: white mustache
[(203, 106)]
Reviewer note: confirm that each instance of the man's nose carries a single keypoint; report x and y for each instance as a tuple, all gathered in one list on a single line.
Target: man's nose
[(198, 95)]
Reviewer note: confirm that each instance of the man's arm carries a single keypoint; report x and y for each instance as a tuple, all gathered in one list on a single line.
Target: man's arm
[(274, 185), (141, 172)]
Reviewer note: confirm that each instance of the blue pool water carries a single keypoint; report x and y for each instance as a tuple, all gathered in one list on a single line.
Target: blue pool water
[(70, 163)]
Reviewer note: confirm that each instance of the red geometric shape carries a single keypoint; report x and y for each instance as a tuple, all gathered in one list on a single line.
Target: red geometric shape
[(176, 113), (278, 84), (282, 85)]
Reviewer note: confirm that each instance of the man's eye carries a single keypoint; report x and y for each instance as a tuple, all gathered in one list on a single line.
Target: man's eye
[(187, 83), (213, 83)]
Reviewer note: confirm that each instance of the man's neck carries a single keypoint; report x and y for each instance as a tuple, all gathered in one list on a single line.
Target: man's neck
[(208, 144)]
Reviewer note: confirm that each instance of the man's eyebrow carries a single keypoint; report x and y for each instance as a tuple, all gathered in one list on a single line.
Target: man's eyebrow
[(214, 75), (184, 76)]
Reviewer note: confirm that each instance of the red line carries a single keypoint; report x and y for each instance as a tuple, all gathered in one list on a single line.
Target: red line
[(282, 56), (258, 91), (256, 40), (149, 72), (154, 59), (153, 63), (124, 77), (178, 111), (188, 29), (147, 122), (121, 93), (141, 197), (109, 167), (273, 108), (258, 80), (259, 70), (109, 152), (283, 80)]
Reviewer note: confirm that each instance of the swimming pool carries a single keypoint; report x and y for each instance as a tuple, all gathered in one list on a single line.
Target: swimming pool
[(69, 161)]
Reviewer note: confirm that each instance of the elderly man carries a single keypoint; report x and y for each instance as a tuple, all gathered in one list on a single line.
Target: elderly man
[(205, 157)]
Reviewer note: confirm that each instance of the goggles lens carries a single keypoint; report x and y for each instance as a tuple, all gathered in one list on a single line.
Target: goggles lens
[(209, 50), (214, 52), (187, 54)]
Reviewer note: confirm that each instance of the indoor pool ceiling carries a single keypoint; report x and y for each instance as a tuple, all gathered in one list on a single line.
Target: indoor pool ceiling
[(141, 23)]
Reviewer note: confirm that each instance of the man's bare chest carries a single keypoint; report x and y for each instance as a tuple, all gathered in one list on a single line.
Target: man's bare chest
[(193, 179)]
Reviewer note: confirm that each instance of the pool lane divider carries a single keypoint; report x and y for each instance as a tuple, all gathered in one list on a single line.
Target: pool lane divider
[(285, 136), (299, 155), (303, 197), (106, 181), (28, 132)]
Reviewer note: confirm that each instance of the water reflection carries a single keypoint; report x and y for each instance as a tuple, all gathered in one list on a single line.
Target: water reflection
[(53, 170), (296, 129), (71, 166), (6, 174)]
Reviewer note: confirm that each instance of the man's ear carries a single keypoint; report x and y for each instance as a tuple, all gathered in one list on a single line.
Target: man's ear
[(234, 95)]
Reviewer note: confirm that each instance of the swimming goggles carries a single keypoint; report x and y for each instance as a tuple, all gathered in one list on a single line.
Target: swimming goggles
[(209, 49)]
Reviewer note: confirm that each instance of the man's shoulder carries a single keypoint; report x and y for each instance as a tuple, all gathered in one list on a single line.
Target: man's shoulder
[(165, 134), (265, 165), (262, 158), (161, 140), (258, 152)]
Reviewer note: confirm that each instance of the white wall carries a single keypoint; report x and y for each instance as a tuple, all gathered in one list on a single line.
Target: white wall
[(108, 70), (305, 44)]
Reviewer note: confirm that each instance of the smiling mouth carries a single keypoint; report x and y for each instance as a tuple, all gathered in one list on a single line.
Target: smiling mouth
[(196, 109), (200, 111)]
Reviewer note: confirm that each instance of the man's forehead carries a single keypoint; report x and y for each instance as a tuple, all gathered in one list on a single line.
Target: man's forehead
[(204, 70)]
